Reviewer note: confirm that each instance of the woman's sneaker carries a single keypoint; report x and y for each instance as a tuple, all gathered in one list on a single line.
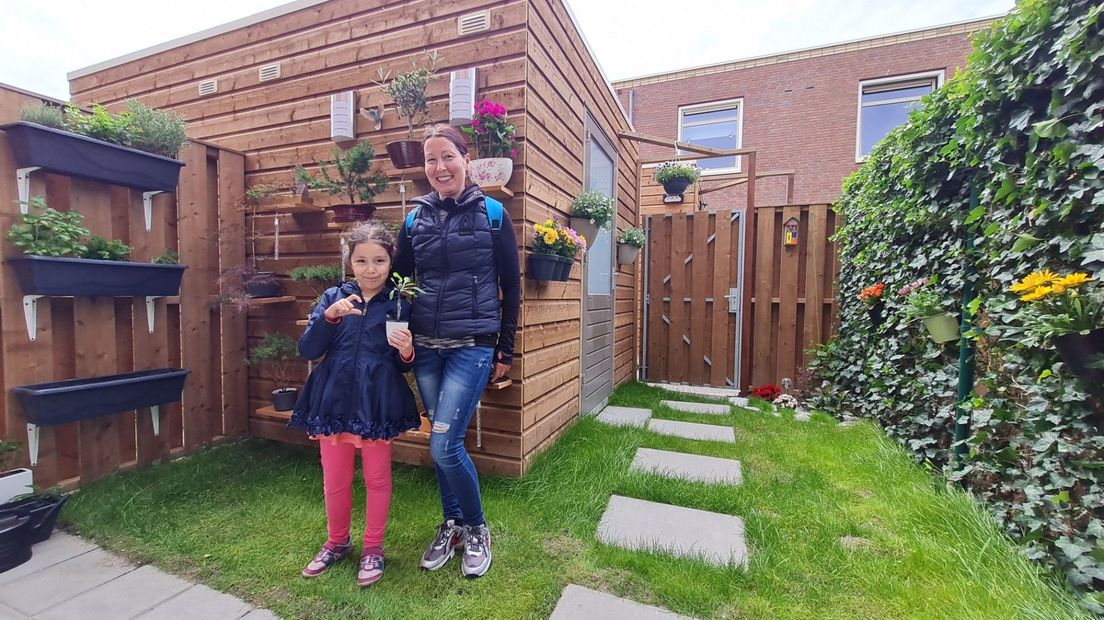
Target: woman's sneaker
[(326, 558), (477, 552), (449, 537), (371, 569)]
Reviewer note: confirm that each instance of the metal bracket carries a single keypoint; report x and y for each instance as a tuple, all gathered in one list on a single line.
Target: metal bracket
[(147, 206), (32, 442), (30, 314), (155, 411), (733, 298), (276, 245), (150, 311), (23, 182)]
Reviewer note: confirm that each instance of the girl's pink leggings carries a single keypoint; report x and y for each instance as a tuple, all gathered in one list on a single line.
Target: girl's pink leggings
[(337, 477)]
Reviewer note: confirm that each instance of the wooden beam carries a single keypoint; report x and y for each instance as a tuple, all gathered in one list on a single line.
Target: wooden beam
[(693, 156), (700, 151)]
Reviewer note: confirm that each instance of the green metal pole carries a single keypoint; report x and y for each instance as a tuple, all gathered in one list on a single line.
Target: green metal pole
[(967, 348)]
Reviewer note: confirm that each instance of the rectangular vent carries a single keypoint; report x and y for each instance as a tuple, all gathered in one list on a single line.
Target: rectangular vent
[(208, 87), (473, 22), (269, 72)]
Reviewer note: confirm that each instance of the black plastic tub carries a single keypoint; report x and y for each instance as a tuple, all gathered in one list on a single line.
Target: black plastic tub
[(48, 275), (60, 402), (15, 543), (63, 152), (43, 511)]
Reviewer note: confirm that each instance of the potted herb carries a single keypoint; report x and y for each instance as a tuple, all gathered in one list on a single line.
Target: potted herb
[(492, 138), (402, 287), (353, 177), (924, 303), (408, 91), (871, 298), (276, 352), (135, 148), (554, 251), (629, 243), (319, 278), (676, 176), (591, 212), (1067, 310)]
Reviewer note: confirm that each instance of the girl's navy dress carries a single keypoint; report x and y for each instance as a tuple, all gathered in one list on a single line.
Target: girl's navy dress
[(359, 388)]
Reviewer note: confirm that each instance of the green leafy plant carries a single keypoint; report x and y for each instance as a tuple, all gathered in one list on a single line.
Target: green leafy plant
[(594, 206), (154, 131), (352, 174), (168, 257), (9, 451), (45, 231), (402, 286), (490, 133), (138, 126), (98, 248), (922, 300), (99, 124), (408, 90), (320, 277), (670, 170), (632, 236), (45, 115), (277, 353)]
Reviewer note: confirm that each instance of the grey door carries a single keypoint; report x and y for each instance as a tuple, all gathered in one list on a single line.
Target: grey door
[(599, 174)]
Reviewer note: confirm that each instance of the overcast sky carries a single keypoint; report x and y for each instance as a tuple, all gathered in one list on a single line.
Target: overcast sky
[(45, 40)]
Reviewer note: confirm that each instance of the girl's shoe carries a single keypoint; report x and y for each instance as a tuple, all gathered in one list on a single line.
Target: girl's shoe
[(326, 558), (371, 569)]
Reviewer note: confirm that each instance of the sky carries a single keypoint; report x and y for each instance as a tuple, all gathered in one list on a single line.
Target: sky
[(43, 41)]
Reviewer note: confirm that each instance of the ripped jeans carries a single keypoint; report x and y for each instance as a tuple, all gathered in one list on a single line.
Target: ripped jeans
[(451, 382)]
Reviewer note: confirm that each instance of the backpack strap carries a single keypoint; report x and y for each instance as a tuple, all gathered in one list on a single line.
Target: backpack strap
[(494, 215), (408, 223)]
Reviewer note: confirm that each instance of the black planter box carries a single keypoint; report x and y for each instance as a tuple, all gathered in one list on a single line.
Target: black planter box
[(60, 402), (43, 511), (47, 275), (75, 155)]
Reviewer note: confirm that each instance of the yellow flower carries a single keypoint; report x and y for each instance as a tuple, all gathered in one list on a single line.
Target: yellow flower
[(550, 237), (1033, 280), (1073, 280), (1037, 294)]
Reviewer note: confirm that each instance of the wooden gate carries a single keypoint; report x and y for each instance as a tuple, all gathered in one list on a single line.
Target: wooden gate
[(692, 270)]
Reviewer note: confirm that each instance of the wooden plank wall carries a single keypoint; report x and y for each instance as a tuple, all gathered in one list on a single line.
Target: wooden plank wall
[(90, 336)]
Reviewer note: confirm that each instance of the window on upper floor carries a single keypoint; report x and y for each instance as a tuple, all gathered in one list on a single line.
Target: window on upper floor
[(885, 103), (717, 125)]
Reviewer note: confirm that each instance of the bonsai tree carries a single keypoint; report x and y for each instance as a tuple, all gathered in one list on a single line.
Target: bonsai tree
[(352, 175), (408, 90), (403, 287), (277, 351)]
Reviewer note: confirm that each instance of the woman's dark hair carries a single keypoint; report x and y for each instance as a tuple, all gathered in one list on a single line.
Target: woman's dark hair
[(449, 133)]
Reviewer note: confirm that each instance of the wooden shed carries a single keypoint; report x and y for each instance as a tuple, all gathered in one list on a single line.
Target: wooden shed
[(262, 87)]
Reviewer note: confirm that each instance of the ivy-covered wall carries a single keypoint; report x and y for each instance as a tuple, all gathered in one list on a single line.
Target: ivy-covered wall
[(1023, 126)]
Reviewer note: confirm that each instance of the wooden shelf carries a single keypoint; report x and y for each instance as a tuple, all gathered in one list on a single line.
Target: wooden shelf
[(501, 384), (302, 322), (497, 191), (286, 204), (265, 301), (268, 413)]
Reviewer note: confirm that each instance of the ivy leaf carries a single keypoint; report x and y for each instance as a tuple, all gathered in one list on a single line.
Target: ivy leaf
[(1024, 241), (1050, 129)]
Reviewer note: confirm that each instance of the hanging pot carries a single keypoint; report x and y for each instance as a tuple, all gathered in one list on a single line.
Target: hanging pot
[(875, 312), (490, 171), (585, 228), (262, 284), (406, 154), (348, 213), (676, 186), (942, 327), (1080, 353), (545, 267), (284, 399), (563, 274), (626, 254), (15, 542)]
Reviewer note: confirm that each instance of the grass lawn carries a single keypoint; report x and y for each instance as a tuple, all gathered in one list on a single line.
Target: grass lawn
[(245, 518)]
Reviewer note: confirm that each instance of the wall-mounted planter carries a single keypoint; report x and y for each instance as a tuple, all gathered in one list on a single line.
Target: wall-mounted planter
[(548, 267), (72, 400), (349, 213), (942, 327), (626, 253), (48, 275)]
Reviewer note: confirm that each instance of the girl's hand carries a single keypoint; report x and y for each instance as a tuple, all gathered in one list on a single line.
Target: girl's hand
[(403, 341), (343, 307)]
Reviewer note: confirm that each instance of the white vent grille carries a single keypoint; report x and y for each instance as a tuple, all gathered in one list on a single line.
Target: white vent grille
[(473, 22), (269, 72), (208, 87)]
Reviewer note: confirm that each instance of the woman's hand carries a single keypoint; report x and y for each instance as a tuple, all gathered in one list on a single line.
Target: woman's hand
[(343, 307), (403, 341), (500, 369)]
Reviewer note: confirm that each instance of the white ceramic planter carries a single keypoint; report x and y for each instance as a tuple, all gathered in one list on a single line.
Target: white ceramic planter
[(491, 171), (585, 228), (626, 254), (393, 325), (15, 482)]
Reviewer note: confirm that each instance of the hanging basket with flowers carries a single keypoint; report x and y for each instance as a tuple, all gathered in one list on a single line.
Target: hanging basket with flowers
[(925, 303), (676, 176), (554, 252), (492, 138), (629, 243), (1069, 312)]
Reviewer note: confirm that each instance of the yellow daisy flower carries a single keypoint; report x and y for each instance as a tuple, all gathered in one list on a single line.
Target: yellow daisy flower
[(1037, 294), (1039, 278), (1073, 280), (550, 237)]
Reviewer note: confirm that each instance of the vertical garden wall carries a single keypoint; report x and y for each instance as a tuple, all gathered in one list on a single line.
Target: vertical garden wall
[(1022, 129)]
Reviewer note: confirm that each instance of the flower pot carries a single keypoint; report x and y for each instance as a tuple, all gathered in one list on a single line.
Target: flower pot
[(1080, 353), (71, 154), (563, 274), (545, 267), (15, 482), (394, 325), (676, 186), (284, 399), (43, 511), (71, 400), (261, 284), (15, 542), (626, 254), (48, 275), (406, 154), (586, 229), (491, 171), (942, 327), (875, 313), (346, 213)]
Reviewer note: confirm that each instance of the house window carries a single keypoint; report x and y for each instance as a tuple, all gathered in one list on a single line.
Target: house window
[(886, 103), (715, 125)]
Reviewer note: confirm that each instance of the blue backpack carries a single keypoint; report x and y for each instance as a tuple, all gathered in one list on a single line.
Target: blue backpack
[(494, 214)]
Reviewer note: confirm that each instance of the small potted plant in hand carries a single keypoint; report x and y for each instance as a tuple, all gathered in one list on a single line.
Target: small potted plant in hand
[(277, 352), (591, 212), (871, 298), (675, 177), (1068, 311), (926, 304), (353, 177), (408, 91), (629, 243), (403, 287), (492, 137)]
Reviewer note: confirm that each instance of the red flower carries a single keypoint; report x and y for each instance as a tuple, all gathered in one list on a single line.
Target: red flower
[(769, 392)]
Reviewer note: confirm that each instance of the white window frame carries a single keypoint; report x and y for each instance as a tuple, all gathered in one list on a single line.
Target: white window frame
[(911, 77), (713, 106)]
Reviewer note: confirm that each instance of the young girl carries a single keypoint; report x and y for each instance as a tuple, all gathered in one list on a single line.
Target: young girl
[(357, 398)]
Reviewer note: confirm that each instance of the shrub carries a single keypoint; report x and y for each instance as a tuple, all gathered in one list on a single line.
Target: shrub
[(276, 352), (45, 115)]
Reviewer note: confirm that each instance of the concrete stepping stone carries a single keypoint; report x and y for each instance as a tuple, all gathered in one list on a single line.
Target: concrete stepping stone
[(199, 602), (579, 603), (625, 416), (684, 532), (706, 408), (691, 430), (697, 390), (124, 597), (687, 466)]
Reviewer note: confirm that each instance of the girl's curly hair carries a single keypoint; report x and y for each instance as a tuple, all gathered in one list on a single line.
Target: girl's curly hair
[(370, 231)]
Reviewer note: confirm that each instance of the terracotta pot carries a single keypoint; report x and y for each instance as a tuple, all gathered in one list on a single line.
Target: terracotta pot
[(347, 213), (626, 254), (942, 327), (1080, 353), (406, 154)]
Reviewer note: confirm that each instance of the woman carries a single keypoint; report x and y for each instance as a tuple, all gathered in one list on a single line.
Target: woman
[(463, 334)]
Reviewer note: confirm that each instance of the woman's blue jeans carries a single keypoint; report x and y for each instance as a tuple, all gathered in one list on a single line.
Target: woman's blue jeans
[(451, 382)]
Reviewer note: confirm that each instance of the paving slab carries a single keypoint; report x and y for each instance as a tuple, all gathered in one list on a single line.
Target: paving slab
[(58, 548), (199, 603), (579, 603), (691, 430), (125, 597), (56, 584), (260, 614), (698, 390), (706, 408), (625, 416), (7, 613), (687, 466), (684, 532)]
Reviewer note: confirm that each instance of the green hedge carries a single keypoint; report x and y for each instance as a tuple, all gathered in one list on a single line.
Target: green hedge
[(1024, 127)]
